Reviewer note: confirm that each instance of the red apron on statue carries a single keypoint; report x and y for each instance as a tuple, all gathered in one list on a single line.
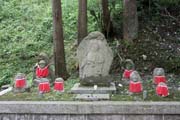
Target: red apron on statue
[(20, 83), (42, 72), (162, 90), (44, 87), (127, 73), (135, 87), (59, 86), (158, 79)]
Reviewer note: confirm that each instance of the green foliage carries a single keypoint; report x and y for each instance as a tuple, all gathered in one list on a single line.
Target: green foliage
[(26, 30), (169, 2)]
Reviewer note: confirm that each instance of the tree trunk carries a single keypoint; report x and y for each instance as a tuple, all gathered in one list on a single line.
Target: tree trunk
[(130, 20), (82, 20), (107, 28), (59, 55)]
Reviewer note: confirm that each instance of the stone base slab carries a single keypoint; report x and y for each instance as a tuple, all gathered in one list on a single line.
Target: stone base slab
[(77, 89), (92, 97)]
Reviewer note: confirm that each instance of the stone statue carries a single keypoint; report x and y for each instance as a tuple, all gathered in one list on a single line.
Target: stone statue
[(95, 58), (93, 63), (135, 85), (159, 75), (20, 83), (42, 70), (129, 68)]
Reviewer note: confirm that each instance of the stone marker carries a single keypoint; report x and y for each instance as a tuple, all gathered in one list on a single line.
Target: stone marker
[(77, 89), (95, 58), (135, 85), (20, 83), (159, 76)]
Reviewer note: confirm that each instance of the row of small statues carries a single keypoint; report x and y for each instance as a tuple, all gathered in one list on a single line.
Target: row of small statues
[(133, 78), (43, 77)]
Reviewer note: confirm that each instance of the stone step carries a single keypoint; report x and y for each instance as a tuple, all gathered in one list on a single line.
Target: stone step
[(92, 97), (77, 89)]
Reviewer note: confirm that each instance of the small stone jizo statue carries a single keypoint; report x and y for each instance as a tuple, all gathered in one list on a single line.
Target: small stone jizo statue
[(162, 89), (159, 75), (20, 83), (42, 70), (135, 85), (129, 68)]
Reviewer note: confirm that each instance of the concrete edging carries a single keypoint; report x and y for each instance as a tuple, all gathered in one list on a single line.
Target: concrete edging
[(100, 107)]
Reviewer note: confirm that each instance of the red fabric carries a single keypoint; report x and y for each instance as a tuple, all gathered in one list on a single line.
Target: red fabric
[(135, 87), (20, 83), (158, 79), (127, 73), (42, 73), (59, 86), (162, 90), (44, 87)]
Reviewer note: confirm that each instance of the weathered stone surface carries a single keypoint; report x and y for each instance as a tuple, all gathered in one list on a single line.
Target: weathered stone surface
[(92, 97), (95, 58), (77, 89), (102, 110)]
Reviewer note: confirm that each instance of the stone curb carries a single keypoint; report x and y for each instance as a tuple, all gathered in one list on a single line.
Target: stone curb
[(100, 107)]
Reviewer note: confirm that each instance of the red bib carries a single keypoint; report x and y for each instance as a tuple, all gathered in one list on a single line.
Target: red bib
[(162, 90), (158, 79), (135, 87), (42, 73), (44, 87), (127, 73), (59, 86)]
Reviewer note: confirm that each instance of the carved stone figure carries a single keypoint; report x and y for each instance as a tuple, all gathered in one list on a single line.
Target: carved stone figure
[(95, 58), (159, 75), (42, 70), (129, 68), (20, 83), (135, 85)]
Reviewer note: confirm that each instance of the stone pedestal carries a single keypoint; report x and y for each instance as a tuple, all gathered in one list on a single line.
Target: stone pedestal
[(89, 93), (92, 97)]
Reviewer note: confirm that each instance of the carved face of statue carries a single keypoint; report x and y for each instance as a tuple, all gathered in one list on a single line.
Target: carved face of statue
[(158, 72), (94, 46), (20, 76), (42, 64), (135, 76)]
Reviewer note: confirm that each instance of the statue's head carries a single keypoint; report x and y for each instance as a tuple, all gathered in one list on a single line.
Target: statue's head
[(94, 45), (135, 77), (162, 83), (158, 72), (129, 64), (20, 76), (59, 79), (43, 56), (42, 63)]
